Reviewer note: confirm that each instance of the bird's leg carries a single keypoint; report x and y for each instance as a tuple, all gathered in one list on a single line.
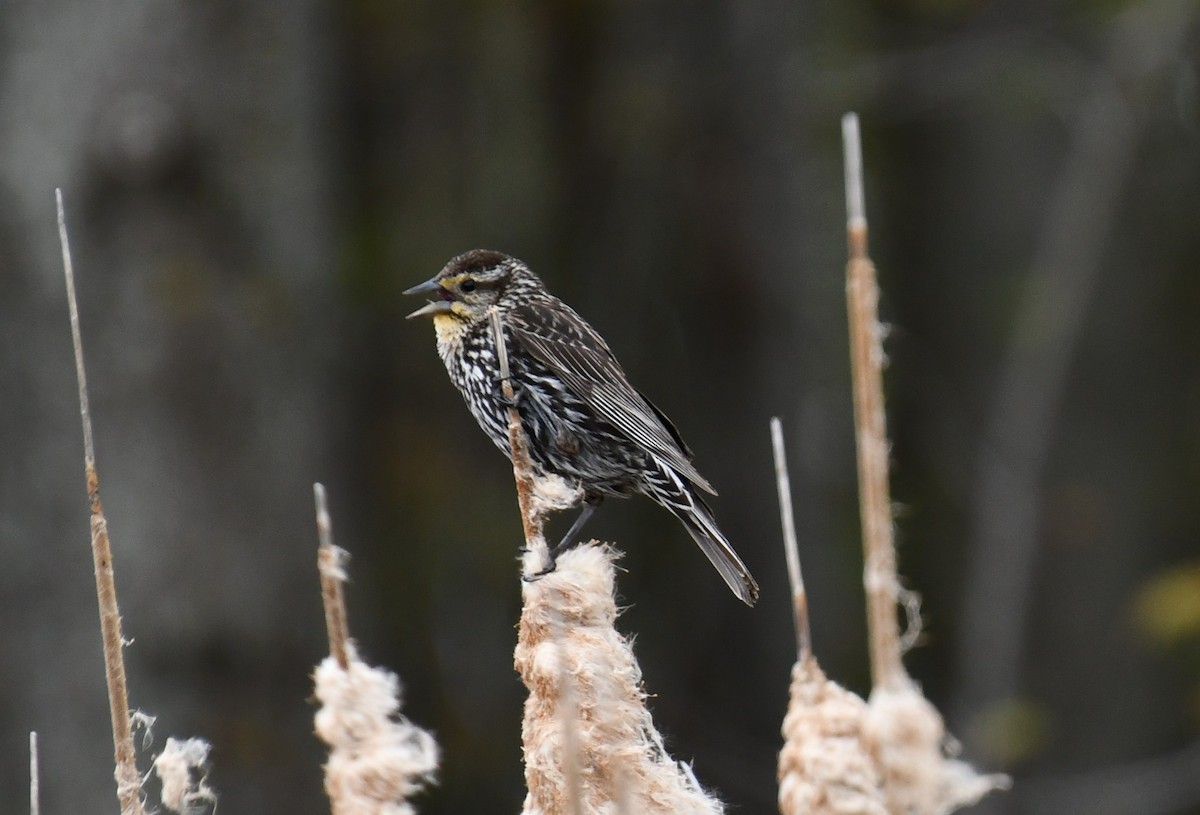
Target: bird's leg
[(568, 542)]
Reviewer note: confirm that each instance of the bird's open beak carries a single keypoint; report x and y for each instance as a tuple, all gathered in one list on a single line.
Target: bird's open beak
[(434, 307)]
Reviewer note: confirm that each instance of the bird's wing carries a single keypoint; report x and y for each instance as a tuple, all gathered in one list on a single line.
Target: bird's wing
[(559, 338)]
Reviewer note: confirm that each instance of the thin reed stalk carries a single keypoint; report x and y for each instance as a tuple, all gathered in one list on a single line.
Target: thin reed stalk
[(378, 759), (589, 741), (330, 565), (537, 556), (129, 780), (867, 359), (35, 804), (901, 729), (791, 549)]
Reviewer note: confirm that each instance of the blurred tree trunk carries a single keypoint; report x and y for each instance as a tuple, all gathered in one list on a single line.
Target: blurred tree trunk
[(188, 141)]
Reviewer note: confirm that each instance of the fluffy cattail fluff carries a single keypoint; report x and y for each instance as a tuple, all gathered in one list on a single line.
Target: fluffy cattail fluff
[(823, 766), (907, 737), (553, 493), (377, 758), (182, 768), (590, 744)]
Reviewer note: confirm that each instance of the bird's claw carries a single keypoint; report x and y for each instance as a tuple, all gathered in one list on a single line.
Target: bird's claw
[(533, 577)]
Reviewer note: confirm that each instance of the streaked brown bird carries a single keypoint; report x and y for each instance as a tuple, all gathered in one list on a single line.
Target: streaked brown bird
[(585, 422)]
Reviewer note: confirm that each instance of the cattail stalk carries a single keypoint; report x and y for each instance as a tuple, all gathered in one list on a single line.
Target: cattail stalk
[(536, 560), (129, 783), (791, 549), (589, 741), (824, 769), (330, 565), (378, 759), (867, 359), (35, 806), (901, 729), (590, 744), (538, 554)]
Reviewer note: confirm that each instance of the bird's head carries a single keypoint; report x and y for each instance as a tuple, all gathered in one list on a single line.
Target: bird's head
[(468, 286)]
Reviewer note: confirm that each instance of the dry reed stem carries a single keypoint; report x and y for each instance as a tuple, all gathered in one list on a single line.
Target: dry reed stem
[(377, 757), (576, 664), (589, 741), (791, 549), (129, 782), (866, 356), (824, 769), (331, 561), (537, 554), (904, 733), (35, 806), (537, 559)]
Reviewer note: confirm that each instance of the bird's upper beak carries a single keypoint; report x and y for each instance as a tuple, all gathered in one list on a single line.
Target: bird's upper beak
[(433, 307)]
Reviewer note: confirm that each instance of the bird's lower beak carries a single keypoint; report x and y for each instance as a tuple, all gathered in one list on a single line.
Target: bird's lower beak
[(432, 309), (429, 309)]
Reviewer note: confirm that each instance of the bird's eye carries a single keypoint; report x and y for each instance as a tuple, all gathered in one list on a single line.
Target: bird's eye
[(467, 286)]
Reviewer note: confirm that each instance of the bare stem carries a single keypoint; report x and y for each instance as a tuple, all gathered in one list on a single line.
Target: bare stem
[(567, 708), (531, 519), (856, 207), (35, 806), (866, 357), (129, 786), (89, 450), (331, 561), (791, 549)]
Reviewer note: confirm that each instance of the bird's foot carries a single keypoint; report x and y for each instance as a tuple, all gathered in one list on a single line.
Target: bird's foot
[(569, 541), (533, 577)]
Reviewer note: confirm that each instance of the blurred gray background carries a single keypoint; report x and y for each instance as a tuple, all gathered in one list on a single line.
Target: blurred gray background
[(251, 184)]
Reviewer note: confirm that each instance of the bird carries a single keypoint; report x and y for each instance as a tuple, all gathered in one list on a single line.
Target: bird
[(584, 421)]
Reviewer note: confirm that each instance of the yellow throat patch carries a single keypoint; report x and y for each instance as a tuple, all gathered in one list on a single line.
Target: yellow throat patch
[(450, 327)]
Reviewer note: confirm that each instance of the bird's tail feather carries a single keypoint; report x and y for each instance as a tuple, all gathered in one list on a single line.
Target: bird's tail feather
[(703, 529), (698, 519)]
